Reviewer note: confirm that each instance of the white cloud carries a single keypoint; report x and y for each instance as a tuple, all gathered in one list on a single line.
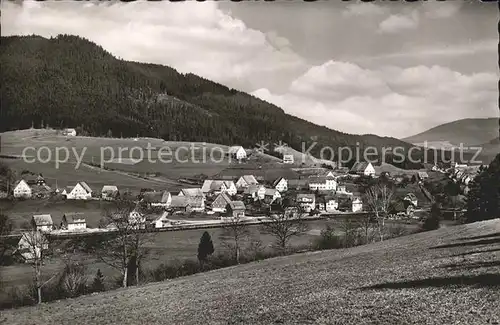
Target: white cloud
[(363, 9), (387, 101), (190, 36), (442, 9), (399, 23)]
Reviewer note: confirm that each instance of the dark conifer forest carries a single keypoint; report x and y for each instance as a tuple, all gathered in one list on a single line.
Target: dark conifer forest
[(68, 81)]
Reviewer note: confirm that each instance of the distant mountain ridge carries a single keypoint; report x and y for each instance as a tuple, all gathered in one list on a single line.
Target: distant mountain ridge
[(471, 131)]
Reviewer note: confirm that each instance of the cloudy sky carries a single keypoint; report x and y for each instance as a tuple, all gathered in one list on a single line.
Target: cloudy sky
[(387, 68)]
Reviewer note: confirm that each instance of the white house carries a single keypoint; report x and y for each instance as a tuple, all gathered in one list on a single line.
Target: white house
[(257, 192), (81, 191), (288, 159), (331, 204), (357, 205), (31, 245), (237, 152), (271, 194), (341, 189), (69, 132), (73, 221), (322, 183), (162, 221), (363, 168), (306, 201), (42, 222), (245, 181), (109, 192), (22, 190), (281, 184), (218, 186)]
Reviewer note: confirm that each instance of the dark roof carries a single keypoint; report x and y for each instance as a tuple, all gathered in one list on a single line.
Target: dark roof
[(72, 218), (237, 205), (42, 219), (359, 166)]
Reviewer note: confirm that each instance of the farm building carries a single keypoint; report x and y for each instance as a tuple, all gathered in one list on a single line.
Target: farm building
[(22, 190), (109, 192), (73, 221), (31, 245), (235, 209), (157, 199), (81, 191), (256, 192), (281, 184), (191, 192), (218, 186), (271, 194), (298, 184), (245, 181), (188, 203), (363, 169), (162, 221), (220, 203), (42, 222), (237, 152)]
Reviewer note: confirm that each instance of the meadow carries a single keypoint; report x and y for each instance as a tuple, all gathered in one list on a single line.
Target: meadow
[(447, 276)]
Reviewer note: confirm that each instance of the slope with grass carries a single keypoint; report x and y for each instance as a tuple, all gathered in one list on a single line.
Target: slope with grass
[(448, 276)]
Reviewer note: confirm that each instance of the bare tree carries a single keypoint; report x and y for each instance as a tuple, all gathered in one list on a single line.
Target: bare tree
[(123, 247), (74, 280), (237, 230), (378, 198), (284, 224), (34, 247), (6, 226), (366, 224)]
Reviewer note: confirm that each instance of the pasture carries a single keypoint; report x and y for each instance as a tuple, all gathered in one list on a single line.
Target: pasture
[(447, 276)]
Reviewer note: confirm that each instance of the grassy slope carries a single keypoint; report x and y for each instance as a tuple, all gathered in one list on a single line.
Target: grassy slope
[(467, 131), (400, 281)]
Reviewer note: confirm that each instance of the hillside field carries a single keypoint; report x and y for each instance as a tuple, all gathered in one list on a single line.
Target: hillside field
[(448, 276)]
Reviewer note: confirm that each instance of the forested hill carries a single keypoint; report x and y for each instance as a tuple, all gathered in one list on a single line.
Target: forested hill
[(68, 81)]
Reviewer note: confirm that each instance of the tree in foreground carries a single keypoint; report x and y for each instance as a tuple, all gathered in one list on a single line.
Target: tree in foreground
[(483, 199), (378, 199), (433, 220), (123, 247), (284, 224), (205, 247), (98, 282), (34, 247), (6, 226), (236, 230)]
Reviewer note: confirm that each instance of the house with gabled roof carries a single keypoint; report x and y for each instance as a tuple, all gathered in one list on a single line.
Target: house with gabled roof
[(32, 245), (412, 198), (162, 221), (235, 209), (237, 152), (218, 186), (109, 192), (256, 192), (322, 183), (220, 202), (271, 195), (357, 204), (42, 222), (157, 199), (73, 221), (363, 169), (281, 184), (81, 191), (188, 203), (245, 181), (191, 192), (22, 190)]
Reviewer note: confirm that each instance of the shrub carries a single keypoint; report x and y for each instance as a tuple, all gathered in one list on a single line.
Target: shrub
[(328, 239), (433, 220), (98, 282)]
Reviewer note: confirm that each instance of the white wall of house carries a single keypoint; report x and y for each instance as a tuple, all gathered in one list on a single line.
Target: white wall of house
[(369, 170), (44, 228), (76, 226), (332, 205), (282, 185), (22, 190), (79, 193), (357, 205)]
